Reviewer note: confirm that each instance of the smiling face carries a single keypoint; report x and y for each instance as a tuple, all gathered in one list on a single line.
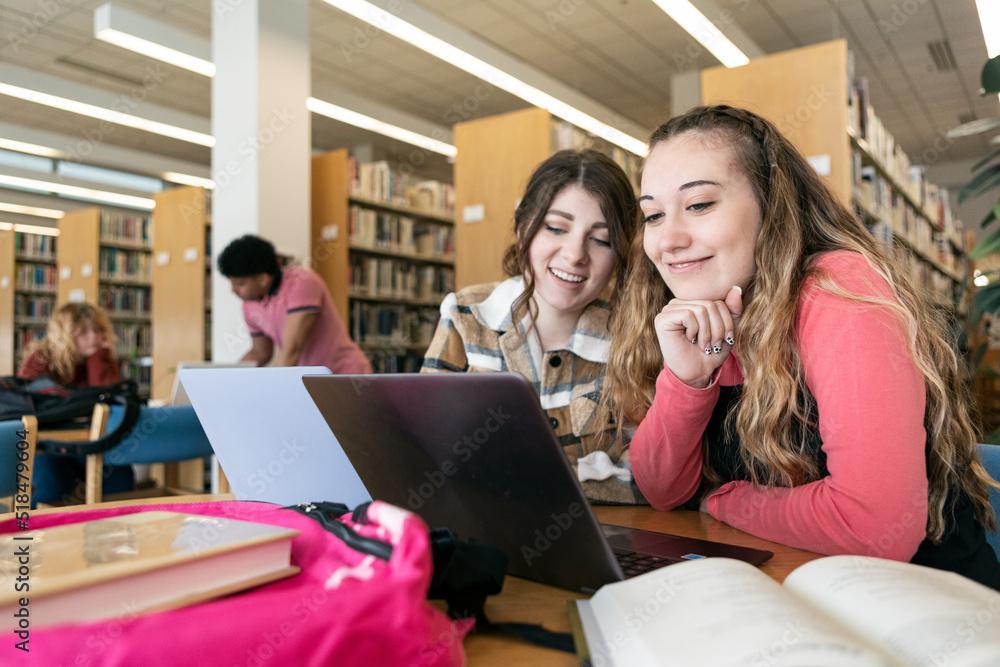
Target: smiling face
[(571, 255), (701, 216)]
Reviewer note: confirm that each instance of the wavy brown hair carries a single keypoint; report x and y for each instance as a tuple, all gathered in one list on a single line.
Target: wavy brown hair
[(601, 177), (58, 348), (800, 219)]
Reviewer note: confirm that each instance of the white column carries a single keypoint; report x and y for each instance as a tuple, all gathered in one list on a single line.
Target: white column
[(262, 130)]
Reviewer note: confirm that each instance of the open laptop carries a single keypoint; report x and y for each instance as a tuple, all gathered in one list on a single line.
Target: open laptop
[(178, 396), (474, 452), (269, 437)]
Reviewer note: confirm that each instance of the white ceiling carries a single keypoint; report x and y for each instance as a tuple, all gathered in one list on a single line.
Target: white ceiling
[(621, 53)]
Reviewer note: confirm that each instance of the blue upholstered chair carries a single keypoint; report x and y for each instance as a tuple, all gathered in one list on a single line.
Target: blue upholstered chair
[(162, 435), (990, 455), (11, 432)]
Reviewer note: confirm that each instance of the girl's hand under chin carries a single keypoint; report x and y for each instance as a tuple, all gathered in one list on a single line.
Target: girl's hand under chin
[(696, 336)]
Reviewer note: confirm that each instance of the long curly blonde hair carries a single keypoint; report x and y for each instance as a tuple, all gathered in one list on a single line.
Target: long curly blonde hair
[(801, 219), (58, 348)]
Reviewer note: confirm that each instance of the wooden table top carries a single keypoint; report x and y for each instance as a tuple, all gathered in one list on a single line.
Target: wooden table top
[(529, 602)]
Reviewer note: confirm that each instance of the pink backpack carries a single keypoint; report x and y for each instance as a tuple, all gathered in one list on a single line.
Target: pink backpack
[(346, 607)]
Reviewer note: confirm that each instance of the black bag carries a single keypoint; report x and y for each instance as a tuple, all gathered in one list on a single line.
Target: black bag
[(67, 409)]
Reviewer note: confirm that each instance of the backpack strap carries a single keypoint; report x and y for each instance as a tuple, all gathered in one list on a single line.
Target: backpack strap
[(466, 572), (124, 394)]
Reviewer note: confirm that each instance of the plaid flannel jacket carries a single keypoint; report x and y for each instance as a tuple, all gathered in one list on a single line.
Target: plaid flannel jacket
[(476, 334)]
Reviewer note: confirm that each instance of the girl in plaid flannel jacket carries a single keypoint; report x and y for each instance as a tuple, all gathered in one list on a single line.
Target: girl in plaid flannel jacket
[(548, 320)]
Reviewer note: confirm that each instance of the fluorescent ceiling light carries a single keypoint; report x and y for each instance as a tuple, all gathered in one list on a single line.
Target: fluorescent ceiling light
[(157, 51), (989, 20), (102, 196), (188, 179), (704, 31), (36, 211), (29, 229), (110, 115), (375, 125), (397, 27), (25, 147)]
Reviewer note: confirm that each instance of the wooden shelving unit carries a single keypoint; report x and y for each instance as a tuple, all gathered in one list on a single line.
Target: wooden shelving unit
[(811, 95), (27, 293), (104, 258), (181, 311), (496, 156), (388, 264)]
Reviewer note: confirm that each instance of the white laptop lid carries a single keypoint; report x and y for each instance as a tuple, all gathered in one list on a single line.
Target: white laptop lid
[(270, 438), (178, 396)]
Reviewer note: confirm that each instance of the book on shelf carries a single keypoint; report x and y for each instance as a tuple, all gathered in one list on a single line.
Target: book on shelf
[(31, 306), (840, 610), (124, 300), (37, 277), (141, 562), (120, 264), (27, 334), (911, 180), (375, 229), (29, 246), (392, 325), (399, 279), (125, 228), (382, 182)]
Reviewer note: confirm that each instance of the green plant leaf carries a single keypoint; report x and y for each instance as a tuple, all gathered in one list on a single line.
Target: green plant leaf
[(986, 160), (987, 300), (987, 246), (994, 214), (981, 182)]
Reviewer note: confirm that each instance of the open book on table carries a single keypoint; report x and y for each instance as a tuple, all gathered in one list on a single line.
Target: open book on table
[(841, 610)]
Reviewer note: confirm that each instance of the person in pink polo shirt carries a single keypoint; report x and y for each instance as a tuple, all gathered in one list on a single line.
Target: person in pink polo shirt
[(290, 308)]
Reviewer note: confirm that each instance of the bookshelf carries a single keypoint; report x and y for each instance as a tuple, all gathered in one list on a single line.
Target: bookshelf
[(496, 156), (27, 293), (383, 241), (181, 283), (826, 112), (104, 258)]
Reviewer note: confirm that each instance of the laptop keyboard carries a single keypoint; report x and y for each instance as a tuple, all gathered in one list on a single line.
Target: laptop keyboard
[(634, 563)]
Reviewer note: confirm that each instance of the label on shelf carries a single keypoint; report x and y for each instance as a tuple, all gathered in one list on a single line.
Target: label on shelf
[(5, 282), (474, 213), (65, 272), (330, 232), (87, 270), (77, 295), (163, 258), (821, 163), (191, 254)]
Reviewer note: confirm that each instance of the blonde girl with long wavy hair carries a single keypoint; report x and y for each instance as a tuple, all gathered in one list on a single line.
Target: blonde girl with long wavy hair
[(784, 374), (77, 351)]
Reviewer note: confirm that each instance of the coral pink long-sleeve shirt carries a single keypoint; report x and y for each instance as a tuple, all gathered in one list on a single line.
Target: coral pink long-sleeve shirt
[(870, 400)]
